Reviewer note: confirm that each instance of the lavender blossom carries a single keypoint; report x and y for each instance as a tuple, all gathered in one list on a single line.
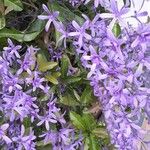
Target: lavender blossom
[(51, 17), (116, 14), (80, 32), (29, 60), (36, 81), (11, 51), (3, 136), (62, 139), (116, 67), (11, 83), (26, 142), (18, 106)]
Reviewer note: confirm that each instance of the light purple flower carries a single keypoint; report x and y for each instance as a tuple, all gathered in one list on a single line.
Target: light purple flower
[(80, 32), (51, 17), (4, 66), (3, 136), (25, 141), (11, 51), (35, 80), (19, 106), (11, 83), (29, 60), (49, 117), (64, 33), (63, 139), (115, 14)]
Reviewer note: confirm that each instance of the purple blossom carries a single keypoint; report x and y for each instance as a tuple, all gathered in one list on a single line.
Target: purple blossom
[(64, 33), (143, 37), (3, 136), (115, 14), (50, 116), (36, 81), (25, 141), (80, 32), (63, 139), (51, 17), (11, 51), (116, 68), (20, 105), (29, 60), (11, 83), (4, 66)]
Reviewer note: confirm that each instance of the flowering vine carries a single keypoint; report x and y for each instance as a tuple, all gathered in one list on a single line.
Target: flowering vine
[(115, 55)]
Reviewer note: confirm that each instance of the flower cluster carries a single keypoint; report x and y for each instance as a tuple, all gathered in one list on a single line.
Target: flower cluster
[(113, 51), (21, 81), (117, 65)]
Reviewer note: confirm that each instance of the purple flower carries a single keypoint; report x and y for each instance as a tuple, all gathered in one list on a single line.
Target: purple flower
[(4, 66), (51, 17), (3, 136), (50, 116), (25, 142), (143, 37), (116, 14), (29, 60), (80, 32), (53, 114), (20, 105), (63, 139), (11, 83), (36, 81), (11, 51), (94, 60), (64, 33)]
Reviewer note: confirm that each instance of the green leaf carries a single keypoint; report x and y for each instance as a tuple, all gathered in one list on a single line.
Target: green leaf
[(64, 66), (14, 4), (17, 35), (100, 132), (72, 79), (68, 100), (2, 22), (89, 121), (86, 122), (27, 122), (43, 64), (93, 143), (77, 121), (40, 145), (51, 78), (116, 29), (36, 26), (47, 66), (86, 143), (28, 35), (87, 95), (56, 74), (57, 37), (43, 98), (76, 95)]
